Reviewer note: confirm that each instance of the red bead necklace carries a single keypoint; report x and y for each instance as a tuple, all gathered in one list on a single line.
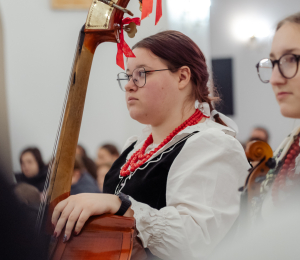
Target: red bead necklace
[(139, 157), (287, 171)]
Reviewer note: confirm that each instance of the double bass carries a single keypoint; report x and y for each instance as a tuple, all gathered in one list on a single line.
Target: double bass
[(107, 236)]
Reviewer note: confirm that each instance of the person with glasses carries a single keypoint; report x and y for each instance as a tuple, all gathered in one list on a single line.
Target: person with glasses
[(179, 179), (282, 71)]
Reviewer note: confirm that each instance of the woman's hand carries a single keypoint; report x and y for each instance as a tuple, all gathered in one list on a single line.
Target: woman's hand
[(79, 208)]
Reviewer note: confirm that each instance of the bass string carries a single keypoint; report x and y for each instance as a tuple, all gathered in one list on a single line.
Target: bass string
[(45, 198)]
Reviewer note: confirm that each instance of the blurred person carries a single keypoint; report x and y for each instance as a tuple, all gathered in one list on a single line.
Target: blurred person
[(89, 164), (259, 133), (272, 217), (179, 178), (282, 71), (18, 239), (28, 194), (277, 239), (34, 170), (82, 181), (107, 153), (102, 170)]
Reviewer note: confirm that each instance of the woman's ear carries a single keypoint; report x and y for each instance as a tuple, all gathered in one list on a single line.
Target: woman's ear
[(184, 74)]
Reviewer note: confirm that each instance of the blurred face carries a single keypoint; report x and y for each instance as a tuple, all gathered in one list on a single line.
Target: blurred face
[(152, 103), (258, 134), (79, 151), (101, 172), (104, 157), (287, 91), (29, 165)]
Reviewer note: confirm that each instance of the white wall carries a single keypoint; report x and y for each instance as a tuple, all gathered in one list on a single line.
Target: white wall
[(255, 103), (39, 47)]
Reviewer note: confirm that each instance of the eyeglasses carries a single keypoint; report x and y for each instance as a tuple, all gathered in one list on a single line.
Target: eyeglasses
[(138, 77), (287, 65)]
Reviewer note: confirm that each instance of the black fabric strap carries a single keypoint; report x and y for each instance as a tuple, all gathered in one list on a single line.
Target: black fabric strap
[(126, 203)]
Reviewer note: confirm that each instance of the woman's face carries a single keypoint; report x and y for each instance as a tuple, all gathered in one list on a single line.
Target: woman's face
[(287, 91), (152, 103), (29, 165), (104, 157)]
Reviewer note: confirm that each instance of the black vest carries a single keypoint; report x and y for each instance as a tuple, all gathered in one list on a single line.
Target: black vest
[(149, 182)]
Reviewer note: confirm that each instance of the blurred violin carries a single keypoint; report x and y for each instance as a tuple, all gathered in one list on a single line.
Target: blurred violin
[(260, 153)]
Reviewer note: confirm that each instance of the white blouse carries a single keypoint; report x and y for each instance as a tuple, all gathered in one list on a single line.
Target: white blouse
[(202, 194)]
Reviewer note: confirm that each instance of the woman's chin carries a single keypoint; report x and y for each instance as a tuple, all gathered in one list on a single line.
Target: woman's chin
[(138, 116), (289, 111)]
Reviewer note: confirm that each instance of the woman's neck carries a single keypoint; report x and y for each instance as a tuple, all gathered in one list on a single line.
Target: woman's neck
[(161, 131)]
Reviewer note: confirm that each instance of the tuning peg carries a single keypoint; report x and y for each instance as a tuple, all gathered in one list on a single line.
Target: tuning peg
[(130, 29)]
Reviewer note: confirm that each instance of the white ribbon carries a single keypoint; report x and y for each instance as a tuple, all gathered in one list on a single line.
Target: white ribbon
[(204, 108)]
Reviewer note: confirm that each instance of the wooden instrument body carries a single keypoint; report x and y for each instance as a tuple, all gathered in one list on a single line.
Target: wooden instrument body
[(103, 237), (261, 152), (89, 39)]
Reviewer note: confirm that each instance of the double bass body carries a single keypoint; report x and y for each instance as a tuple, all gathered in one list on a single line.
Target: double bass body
[(103, 237)]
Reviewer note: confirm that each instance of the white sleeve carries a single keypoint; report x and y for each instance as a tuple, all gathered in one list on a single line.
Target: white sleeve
[(202, 198)]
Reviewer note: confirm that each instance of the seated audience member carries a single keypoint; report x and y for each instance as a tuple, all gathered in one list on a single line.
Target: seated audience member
[(101, 172), (88, 163), (259, 133), (18, 239), (30, 197), (28, 194), (107, 153), (82, 181), (34, 170)]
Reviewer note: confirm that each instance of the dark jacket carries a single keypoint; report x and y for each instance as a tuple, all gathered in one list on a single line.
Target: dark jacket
[(86, 184), (37, 181)]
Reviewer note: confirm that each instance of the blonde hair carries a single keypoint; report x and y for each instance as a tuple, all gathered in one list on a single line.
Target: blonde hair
[(294, 18)]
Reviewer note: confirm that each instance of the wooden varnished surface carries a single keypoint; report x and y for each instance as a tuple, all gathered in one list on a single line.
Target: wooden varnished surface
[(261, 152), (107, 237)]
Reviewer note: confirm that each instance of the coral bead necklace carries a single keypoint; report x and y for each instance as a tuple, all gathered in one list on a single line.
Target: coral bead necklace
[(139, 157), (287, 171)]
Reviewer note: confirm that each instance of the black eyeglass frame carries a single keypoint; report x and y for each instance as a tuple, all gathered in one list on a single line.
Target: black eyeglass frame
[(130, 76), (274, 62)]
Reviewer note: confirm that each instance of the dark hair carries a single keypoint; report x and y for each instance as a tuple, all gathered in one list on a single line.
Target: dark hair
[(111, 149), (78, 164), (263, 129), (295, 18), (82, 150), (178, 50), (36, 154)]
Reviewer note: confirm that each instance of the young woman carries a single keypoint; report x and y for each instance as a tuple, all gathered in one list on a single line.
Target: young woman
[(183, 172), (107, 153), (34, 170), (282, 71)]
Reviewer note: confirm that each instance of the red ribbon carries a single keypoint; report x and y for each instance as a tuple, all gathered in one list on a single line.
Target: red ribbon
[(147, 7), (123, 47)]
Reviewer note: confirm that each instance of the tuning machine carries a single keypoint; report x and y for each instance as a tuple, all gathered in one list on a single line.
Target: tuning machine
[(130, 29)]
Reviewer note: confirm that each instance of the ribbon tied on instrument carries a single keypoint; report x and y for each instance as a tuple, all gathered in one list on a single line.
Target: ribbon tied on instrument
[(123, 47), (147, 7)]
